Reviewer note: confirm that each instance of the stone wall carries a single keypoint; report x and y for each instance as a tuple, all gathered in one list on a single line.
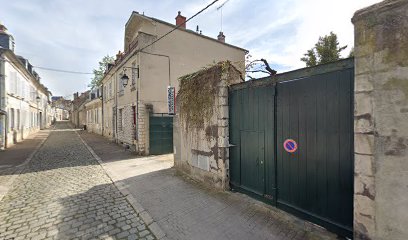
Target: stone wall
[(381, 121), (143, 130), (134, 136), (126, 127), (203, 152)]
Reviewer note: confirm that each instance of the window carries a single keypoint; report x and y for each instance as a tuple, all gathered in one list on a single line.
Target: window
[(134, 73), (18, 119), (110, 89), (12, 118), (120, 120), (134, 115), (105, 92), (120, 85)]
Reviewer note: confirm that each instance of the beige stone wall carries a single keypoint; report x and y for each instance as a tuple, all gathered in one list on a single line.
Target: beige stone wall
[(203, 152), (93, 111), (126, 127), (381, 121), (188, 53)]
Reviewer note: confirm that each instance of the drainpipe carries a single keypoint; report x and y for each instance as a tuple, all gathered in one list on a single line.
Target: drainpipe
[(3, 99), (4, 113), (116, 107), (103, 94)]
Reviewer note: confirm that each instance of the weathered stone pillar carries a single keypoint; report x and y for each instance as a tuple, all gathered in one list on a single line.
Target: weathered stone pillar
[(223, 129), (381, 121), (142, 129)]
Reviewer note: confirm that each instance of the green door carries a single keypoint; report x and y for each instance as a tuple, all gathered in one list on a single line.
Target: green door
[(253, 161), (252, 154), (160, 135)]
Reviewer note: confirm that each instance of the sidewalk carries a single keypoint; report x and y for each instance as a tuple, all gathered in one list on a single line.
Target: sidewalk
[(185, 209), (12, 159)]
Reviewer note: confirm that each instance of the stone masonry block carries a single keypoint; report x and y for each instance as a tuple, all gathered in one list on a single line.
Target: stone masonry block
[(364, 186), (223, 141), (363, 104), (223, 131), (223, 91), (363, 124), (363, 65), (364, 165), (363, 83), (222, 101), (364, 215), (223, 111), (222, 122), (363, 143)]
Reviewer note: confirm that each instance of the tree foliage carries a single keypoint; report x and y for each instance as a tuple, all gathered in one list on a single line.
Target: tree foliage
[(325, 50), (98, 73)]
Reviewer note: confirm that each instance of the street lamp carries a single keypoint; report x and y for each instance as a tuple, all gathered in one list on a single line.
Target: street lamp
[(125, 78)]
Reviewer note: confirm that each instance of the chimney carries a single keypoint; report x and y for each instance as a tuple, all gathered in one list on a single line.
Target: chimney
[(221, 37), (181, 20)]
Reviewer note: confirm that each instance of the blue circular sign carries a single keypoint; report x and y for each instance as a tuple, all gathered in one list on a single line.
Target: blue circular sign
[(290, 145)]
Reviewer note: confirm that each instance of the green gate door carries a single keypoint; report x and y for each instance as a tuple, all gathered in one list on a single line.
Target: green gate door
[(252, 165), (312, 111), (316, 180), (160, 135)]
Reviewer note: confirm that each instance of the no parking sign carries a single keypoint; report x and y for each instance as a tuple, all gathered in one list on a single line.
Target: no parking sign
[(290, 145)]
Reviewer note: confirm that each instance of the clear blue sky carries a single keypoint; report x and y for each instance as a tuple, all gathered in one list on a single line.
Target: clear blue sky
[(76, 34)]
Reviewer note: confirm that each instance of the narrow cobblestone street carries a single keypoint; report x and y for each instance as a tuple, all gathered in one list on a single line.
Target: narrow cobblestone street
[(63, 193)]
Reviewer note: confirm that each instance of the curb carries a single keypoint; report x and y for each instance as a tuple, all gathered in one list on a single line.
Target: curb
[(20, 168), (141, 212)]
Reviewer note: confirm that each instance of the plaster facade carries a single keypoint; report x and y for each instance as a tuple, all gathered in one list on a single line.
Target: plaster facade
[(151, 68), (24, 100)]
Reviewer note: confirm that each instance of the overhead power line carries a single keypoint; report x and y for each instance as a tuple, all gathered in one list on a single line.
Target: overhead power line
[(60, 70), (140, 50)]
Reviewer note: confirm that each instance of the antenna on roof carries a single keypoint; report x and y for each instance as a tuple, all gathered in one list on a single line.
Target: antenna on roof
[(220, 7)]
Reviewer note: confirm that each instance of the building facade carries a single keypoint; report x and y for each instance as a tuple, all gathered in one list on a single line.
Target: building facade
[(24, 101), (151, 67), (78, 112), (93, 111)]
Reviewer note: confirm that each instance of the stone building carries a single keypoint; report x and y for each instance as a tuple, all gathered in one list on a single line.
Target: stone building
[(24, 101), (61, 108), (78, 113), (93, 111), (150, 68)]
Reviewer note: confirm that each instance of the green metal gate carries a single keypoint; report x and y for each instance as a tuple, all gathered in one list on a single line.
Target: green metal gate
[(160, 135), (252, 165), (312, 110)]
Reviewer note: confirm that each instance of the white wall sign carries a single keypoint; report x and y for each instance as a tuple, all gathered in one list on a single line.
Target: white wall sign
[(171, 94)]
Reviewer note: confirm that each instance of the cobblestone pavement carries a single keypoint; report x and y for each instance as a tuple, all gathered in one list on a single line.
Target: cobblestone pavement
[(13, 158), (185, 209), (63, 193)]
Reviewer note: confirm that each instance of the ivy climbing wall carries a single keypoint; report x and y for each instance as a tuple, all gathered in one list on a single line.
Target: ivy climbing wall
[(201, 124)]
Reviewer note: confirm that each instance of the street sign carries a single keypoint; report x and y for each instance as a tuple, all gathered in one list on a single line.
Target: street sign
[(171, 94), (290, 145)]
